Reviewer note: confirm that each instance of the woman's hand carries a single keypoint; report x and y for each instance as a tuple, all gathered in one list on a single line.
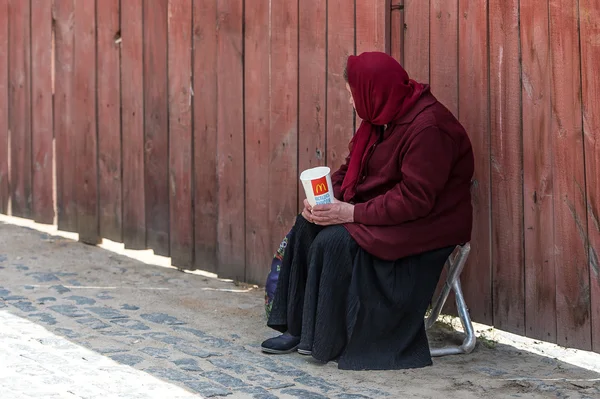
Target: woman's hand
[(329, 214)]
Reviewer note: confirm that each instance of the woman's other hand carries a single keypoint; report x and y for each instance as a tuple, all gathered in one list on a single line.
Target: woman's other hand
[(307, 211), (330, 214)]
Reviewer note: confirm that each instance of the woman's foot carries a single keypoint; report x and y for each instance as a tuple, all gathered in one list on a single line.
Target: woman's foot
[(285, 343), (305, 352)]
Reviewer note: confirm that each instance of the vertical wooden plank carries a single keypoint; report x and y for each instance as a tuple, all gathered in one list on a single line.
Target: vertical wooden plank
[(132, 103), (444, 52), (109, 119), (589, 14), (84, 110), (340, 45), (474, 114), (397, 30), (570, 240), (180, 133), (205, 134), (540, 300), (230, 147), (4, 150), (19, 72), (283, 166), (156, 125), (506, 157), (41, 110), (259, 248), (312, 86), (372, 25), (416, 39), (64, 132)]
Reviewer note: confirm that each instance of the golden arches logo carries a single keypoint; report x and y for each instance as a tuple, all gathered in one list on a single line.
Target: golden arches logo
[(320, 186)]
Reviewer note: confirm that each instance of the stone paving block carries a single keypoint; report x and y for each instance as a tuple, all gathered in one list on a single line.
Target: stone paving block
[(45, 318), (93, 323), (68, 333), (81, 300), (159, 353), (74, 283), (187, 364), (104, 295), (316, 382), (127, 359), (194, 351), (129, 307), (268, 381), (207, 389), (24, 306), (281, 369), (12, 298), (224, 379), (68, 310), (167, 339), (258, 393), (161, 318), (231, 364), (61, 289), (22, 268), (45, 299), (170, 374), (352, 396), (206, 338), (131, 324), (29, 287), (107, 312), (106, 351), (43, 277), (303, 394)]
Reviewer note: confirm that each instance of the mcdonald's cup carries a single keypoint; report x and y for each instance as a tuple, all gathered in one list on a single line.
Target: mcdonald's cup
[(317, 185)]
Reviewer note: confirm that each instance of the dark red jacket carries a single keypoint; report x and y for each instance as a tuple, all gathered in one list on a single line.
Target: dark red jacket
[(414, 192)]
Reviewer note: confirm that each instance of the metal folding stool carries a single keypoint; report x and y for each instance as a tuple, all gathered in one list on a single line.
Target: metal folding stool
[(454, 264)]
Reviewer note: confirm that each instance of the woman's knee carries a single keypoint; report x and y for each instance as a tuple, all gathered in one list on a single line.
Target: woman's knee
[(333, 239)]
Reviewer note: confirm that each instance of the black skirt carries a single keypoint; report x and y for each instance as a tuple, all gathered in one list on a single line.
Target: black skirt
[(364, 312)]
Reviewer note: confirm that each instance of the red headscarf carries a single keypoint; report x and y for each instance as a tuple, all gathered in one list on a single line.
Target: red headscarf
[(382, 93)]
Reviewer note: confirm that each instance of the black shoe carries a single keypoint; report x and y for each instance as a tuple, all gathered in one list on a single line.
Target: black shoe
[(284, 343), (305, 352)]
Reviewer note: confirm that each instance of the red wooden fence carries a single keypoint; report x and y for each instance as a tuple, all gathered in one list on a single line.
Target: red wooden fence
[(182, 125)]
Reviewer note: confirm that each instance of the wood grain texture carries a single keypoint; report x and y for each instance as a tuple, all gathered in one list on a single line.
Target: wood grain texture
[(443, 50), (230, 145), (506, 156), (416, 39), (372, 25), (474, 115), (538, 206), (312, 87), (41, 111), (4, 142), (109, 119), (570, 239), (156, 125), (85, 122), (257, 97), (340, 45), (19, 74), (64, 131), (180, 134), (396, 34), (205, 134), (589, 20), (132, 125)]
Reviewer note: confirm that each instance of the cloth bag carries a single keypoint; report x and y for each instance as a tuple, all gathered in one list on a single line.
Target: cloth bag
[(271, 284)]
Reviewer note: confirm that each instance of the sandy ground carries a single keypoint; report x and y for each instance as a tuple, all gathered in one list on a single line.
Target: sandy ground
[(229, 321)]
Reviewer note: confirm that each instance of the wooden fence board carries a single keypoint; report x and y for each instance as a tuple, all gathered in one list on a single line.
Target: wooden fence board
[(443, 49), (506, 156), (589, 14), (474, 115), (20, 106), (205, 133), (180, 133), (156, 125), (41, 111), (283, 143), (109, 119), (340, 39), (312, 87), (570, 241), (64, 132), (538, 196), (396, 37), (4, 150), (416, 39), (230, 146), (259, 249), (132, 103), (372, 25), (85, 122)]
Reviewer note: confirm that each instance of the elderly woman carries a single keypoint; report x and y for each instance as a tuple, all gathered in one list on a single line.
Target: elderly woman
[(358, 275)]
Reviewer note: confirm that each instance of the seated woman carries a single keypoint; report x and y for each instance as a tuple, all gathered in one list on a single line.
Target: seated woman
[(358, 275)]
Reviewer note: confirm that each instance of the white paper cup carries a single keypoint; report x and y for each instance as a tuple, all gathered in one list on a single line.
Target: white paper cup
[(317, 185)]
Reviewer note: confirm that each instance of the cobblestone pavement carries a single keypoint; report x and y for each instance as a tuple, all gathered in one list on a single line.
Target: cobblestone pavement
[(80, 322)]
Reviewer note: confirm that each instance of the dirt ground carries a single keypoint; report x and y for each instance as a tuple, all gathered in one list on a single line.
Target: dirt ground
[(235, 314)]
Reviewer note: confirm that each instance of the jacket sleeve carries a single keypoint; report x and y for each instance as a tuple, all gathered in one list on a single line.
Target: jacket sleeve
[(425, 169), (337, 178)]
